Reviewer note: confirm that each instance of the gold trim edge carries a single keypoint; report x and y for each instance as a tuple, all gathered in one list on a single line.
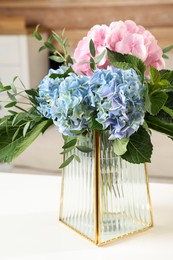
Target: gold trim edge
[(148, 193), (110, 240)]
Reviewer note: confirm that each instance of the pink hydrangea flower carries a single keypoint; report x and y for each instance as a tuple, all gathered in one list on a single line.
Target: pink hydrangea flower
[(123, 37), (98, 34)]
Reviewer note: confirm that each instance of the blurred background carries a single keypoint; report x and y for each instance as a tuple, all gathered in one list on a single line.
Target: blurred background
[(19, 56)]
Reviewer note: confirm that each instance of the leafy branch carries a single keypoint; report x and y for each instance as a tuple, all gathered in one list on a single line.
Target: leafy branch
[(22, 126), (166, 50), (71, 144), (16, 137), (16, 95), (59, 55)]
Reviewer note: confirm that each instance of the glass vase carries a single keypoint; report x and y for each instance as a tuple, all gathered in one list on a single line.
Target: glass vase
[(104, 197)]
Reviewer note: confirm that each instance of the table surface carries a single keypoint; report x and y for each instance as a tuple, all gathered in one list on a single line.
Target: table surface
[(29, 226)]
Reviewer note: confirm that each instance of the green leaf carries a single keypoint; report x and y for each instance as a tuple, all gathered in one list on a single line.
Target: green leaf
[(58, 38), (56, 58), (167, 49), (15, 121), (164, 56), (32, 92), (13, 88), (4, 88), (84, 149), (9, 148), (37, 34), (154, 75), (164, 85), (92, 48), (77, 158), (100, 57), (92, 64), (165, 116), (139, 148), (50, 39), (3, 121), (168, 75), (15, 134), (168, 111), (1, 85), (67, 161), (66, 138), (62, 32), (12, 112), (134, 62), (169, 102), (159, 125), (65, 43), (76, 132), (122, 65), (120, 146), (11, 104), (7, 88), (95, 125), (32, 96), (157, 100), (69, 144), (50, 46), (67, 150), (11, 96), (64, 75), (147, 100), (26, 127), (42, 48), (54, 76), (15, 78), (145, 126)]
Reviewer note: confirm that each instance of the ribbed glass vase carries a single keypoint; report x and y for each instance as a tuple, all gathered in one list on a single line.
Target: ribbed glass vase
[(104, 197)]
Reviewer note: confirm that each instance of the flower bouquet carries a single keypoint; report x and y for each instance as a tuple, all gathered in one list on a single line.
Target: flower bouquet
[(115, 81), (111, 93)]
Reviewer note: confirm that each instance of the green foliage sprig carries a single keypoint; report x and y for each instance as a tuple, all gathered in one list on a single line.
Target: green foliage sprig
[(21, 126), (59, 55)]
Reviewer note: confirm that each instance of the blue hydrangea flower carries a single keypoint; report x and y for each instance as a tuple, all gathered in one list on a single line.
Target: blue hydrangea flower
[(71, 111), (118, 97), (49, 90), (64, 100), (115, 96)]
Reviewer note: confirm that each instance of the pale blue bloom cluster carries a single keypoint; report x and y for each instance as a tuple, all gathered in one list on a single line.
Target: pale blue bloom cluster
[(64, 100), (49, 91), (119, 100), (113, 97)]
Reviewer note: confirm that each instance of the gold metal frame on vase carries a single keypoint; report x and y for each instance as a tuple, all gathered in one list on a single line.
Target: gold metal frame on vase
[(97, 226)]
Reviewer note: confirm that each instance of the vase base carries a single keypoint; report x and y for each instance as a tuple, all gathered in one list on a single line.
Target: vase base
[(116, 226)]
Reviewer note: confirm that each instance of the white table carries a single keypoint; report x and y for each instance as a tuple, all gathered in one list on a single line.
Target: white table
[(29, 226)]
